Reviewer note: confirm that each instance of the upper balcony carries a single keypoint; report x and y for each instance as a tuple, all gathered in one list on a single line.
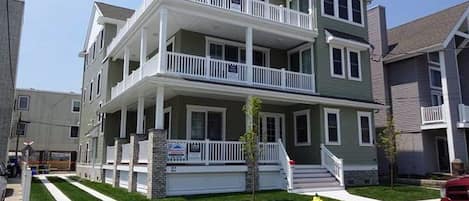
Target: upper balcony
[(435, 117), (463, 116), (242, 12)]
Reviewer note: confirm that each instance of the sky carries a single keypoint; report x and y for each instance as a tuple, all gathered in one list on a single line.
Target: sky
[(54, 33)]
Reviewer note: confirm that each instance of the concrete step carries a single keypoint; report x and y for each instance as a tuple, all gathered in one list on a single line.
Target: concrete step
[(307, 166), (314, 180), (311, 175), (316, 185), (316, 190), (317, 170)]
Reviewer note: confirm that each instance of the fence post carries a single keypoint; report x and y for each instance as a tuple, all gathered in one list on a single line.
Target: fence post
[(26, 184), (207, 144)]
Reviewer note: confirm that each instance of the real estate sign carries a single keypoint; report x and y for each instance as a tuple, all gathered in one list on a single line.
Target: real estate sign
[(176, 151)]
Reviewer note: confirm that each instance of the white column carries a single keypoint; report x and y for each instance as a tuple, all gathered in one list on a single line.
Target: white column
[(162, 40), (123, 131), (125, 71), (249, 50), (313, 72), (159, 110), (140, 114), (143, 49)]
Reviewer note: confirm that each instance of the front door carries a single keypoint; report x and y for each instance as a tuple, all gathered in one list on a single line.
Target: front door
[(271, 127), (442, 153)]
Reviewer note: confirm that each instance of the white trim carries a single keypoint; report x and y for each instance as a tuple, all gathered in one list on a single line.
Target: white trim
[(349, 7), (171, 42), (99, 81), (308, 127), (331, 39), (206, 109), (456, 28), (300, 49), (90, 97), (349, 50), (331, 61), (370, 127), (73, 103), (430, 69), (262, 115), (168, 110), (241, 46), (436, 93), (326, 125)]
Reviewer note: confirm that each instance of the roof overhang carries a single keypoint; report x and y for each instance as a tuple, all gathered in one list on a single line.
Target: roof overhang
[(336, 40)]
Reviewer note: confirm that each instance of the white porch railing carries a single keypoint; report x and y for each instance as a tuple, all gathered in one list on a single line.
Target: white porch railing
[(205, 68), (264, 10), (463, 113), (110, 154), (433, 114), (284, 160), (126, 153), (333, 164), (143, 151)]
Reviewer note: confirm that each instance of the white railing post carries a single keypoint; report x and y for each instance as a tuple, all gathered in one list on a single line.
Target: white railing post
[(249, 54), (248, 6), (422, 111), (282, 13), (284, 79), (207, 67), (207, 154)]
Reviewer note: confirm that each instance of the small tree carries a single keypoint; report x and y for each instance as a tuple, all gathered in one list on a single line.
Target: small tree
[(250, 138), (387, 141)]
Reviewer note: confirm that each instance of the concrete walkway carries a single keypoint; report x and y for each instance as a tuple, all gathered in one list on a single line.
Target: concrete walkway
[(340, 195), (87, 189), (54, 191), (14, 189)]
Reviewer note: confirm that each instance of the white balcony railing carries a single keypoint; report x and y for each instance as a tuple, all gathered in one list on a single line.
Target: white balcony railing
[(463, 113), (126, 153), (432, 115), (205, 68), (333, 164), (110, 154), (286, 165)]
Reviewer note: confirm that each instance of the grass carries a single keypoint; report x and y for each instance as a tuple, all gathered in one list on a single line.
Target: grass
[(121, 194), (399, 193), (39, 192), (71, 191)]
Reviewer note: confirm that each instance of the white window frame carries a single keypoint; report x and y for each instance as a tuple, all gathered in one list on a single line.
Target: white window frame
[(300, 51), (206, 109), (171, 42), (241, 46), (99, 81), (101, 40), (19, 101), (73, 103), (350, 13), (359, 116), (331, 60), (326, 126), (308, 127), (262, 115), (169, 110), (436, 93), (430, 69), (70, 132), (25, 128), (349, 64), (90, 98), (432, 62)]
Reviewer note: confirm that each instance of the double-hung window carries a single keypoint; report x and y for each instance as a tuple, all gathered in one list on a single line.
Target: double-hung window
[(23, 103), (74, 132), (98, 84), (235, 52), (302, 128), (91, 91), (332, 125), (354, 65), (300, 60), (76, 104), (21, 128), (365, 129), (437, 98), (337, 61), (434, 70), (350, 11), (205, 123)]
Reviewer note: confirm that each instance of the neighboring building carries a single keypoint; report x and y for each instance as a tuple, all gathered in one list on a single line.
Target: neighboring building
[(11, 21), (51, 121), (187, 67), (421, 69)]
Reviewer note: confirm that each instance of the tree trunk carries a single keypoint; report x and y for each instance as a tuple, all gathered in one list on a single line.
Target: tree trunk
[(392, 176)]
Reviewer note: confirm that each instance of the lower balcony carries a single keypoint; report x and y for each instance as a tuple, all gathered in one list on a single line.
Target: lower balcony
[(433, 117), (220, 71)]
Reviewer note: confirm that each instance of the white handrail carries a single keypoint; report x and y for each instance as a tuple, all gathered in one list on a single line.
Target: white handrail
[(333, 164), (434, 114), (285, 163)]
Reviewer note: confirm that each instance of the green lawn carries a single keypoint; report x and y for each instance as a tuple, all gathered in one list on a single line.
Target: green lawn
[(71, 191), (39, 192), (122, 195), (399, 193)]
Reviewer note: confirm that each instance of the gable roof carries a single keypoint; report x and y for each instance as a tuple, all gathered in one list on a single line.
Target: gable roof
[(426, 32), (114, 12)]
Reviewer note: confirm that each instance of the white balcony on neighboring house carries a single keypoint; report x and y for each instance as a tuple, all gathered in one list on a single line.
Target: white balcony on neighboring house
[(433, 117), (220, 71), (463, 116)]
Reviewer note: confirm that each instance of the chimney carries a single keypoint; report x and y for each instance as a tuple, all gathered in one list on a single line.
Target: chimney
[(377, 30), (378, 37)]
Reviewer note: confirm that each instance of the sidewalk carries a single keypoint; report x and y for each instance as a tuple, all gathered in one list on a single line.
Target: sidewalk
[(14, 190), (340, 195)]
